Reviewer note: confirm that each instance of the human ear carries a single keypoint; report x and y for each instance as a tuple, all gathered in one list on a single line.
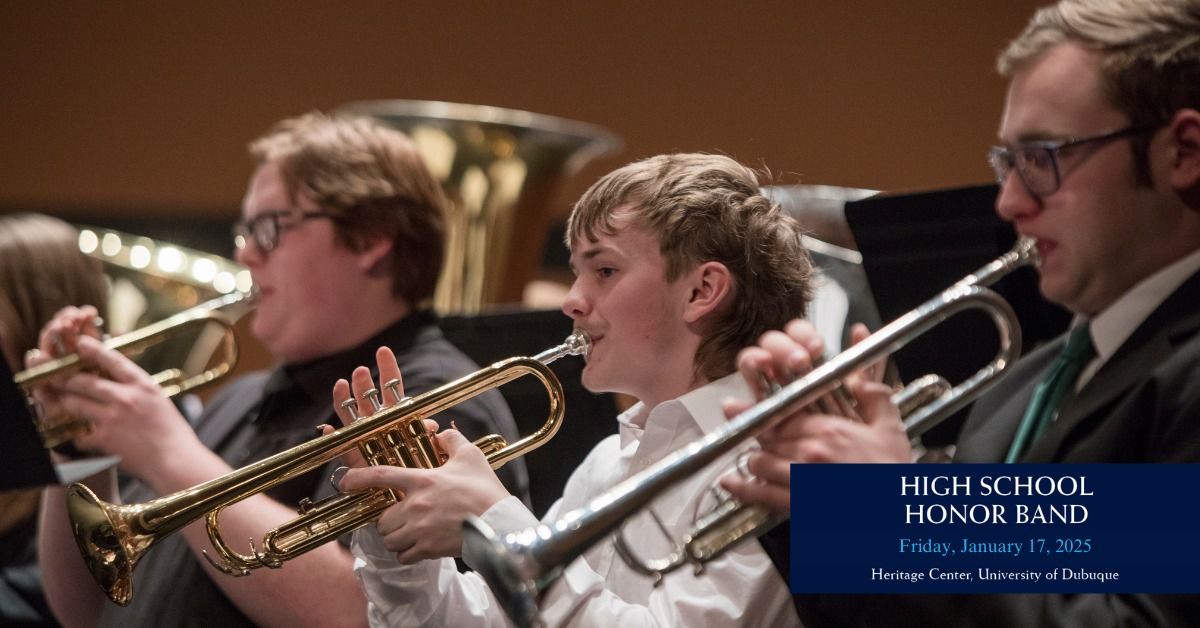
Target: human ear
[(711, 285), (1185, 164), (373, 254)]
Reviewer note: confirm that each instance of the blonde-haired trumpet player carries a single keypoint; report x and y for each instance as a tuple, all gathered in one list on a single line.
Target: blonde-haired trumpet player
[(1099, 162), (679, 262)]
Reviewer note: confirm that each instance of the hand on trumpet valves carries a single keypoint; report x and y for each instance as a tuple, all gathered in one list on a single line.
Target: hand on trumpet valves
[(814, 434), (427, 521), (127, 412)]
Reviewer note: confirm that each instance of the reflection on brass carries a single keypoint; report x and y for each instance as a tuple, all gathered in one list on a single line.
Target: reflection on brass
[(519, 566), (499, 168), (208, 327), (113, 537), (171, 309)]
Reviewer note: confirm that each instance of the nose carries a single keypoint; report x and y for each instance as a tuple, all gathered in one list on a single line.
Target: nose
[(1014, 201), (575, 305), (248, 255)]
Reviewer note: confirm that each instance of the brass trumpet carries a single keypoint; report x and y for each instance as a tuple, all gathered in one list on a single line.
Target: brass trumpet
[(112, 538), (519, 566), (224, 311)]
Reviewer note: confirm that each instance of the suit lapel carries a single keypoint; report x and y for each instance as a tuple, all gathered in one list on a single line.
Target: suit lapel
[(992, 424), (1171, 324)]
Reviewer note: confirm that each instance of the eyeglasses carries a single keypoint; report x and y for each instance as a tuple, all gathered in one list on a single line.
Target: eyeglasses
[(1037, 162), (266, 227)]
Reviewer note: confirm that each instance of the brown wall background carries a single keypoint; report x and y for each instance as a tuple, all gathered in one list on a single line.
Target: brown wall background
[(144, 108)]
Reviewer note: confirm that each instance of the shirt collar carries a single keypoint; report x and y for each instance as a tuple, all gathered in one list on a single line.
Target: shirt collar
[(1117, 322), (316, 377), (701, 406)]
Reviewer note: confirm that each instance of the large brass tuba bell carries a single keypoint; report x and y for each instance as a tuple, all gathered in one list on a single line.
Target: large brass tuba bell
[(500, 169)]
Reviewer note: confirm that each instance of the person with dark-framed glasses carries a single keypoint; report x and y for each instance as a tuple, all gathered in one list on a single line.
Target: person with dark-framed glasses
[(1099, 162), (343, 232), (1039, 163)]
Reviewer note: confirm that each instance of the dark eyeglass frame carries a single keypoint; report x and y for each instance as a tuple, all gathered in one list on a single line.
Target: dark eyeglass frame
[(1033, 161), (266, 227)]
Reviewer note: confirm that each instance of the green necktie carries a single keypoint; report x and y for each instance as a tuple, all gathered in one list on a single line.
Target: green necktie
[(1050, 394)]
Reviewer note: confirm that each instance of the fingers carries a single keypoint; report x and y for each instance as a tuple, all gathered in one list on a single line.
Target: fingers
[(769, 468), (876, 370), (364, 391), (116, 365), (59, 337), (732, 407), (453, 442), (389, 371), (776, 497), (341, 392), (874, 400), (382, 476), (804, 333)]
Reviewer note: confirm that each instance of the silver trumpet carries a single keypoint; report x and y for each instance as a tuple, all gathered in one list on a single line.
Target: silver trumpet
[(519, 566)]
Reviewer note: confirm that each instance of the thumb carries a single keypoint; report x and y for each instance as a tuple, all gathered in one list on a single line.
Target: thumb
[(453, 442)]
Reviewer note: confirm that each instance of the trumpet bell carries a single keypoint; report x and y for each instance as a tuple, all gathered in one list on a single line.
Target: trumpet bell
[(112, 537), (104, 542)]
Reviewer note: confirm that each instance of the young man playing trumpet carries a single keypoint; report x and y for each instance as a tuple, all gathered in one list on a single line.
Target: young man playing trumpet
[(679, 262), (342, 229), (1100, 163)]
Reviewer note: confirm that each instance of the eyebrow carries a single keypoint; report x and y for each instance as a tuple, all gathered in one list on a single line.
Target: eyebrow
[(591, 253), (1033, 136)]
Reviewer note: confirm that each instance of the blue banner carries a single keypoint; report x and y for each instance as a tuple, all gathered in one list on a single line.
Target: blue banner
[(994, 528)]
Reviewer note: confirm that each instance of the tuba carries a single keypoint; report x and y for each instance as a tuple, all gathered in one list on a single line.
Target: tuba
[(519, 566), (500, 169), (112, 538)]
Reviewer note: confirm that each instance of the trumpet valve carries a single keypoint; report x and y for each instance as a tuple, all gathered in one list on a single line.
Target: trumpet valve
[(372, 395), (393, 386), (351, 406)]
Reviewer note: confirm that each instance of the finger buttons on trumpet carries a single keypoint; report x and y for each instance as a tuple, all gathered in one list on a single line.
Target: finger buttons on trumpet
[(351, 406), (335, 479), (393, 386), (372, 395)]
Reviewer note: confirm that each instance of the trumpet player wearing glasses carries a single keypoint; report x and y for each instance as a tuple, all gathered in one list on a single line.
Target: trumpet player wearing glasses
[(342, 229), (679, 262), (1099, 161)]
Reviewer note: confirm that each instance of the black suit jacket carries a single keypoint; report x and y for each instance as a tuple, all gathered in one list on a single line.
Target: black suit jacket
[(1143, 405)]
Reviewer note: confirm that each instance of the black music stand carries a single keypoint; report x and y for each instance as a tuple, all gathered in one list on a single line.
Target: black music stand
[(24, 461), (914, 246)]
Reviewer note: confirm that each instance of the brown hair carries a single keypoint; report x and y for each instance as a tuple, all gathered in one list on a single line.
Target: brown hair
[(41, 271), (1150, 54), (709, 208), (372, 179)]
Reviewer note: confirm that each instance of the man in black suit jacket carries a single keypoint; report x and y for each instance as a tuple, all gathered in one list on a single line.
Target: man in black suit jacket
[(1100, 163)]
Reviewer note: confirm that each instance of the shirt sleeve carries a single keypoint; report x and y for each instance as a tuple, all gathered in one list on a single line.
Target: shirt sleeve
[(429, 593), (739, 589)]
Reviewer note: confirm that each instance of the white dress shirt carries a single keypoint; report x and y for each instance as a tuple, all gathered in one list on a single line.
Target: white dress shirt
[(742, 588), (1112, 327)]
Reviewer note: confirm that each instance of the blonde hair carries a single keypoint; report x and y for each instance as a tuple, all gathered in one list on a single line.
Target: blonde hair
[(709, 208)]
